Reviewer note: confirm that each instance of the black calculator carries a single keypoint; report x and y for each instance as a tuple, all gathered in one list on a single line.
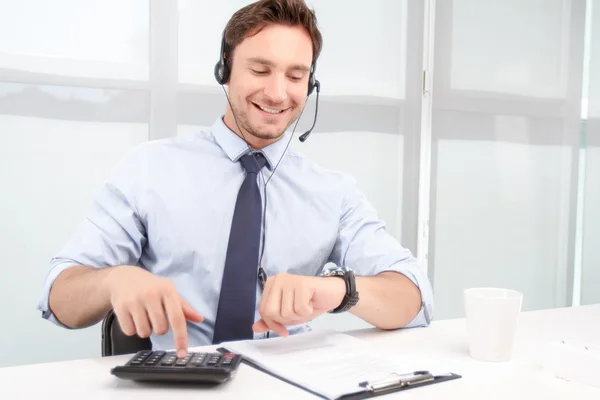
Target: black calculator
[(197, 367)]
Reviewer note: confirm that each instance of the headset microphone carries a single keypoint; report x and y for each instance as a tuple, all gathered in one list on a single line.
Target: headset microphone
[(305, 135)]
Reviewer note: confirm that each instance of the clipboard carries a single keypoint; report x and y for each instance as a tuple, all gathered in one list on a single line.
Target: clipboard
[(397, 383), (393, 383)]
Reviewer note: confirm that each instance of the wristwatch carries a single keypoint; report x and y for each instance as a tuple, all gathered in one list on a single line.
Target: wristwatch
[(351, 296)]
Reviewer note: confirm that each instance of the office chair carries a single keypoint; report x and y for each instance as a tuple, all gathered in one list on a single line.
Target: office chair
[(115, 342)]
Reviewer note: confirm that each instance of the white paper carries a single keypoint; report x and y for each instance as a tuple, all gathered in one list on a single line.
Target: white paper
[(327, 362)]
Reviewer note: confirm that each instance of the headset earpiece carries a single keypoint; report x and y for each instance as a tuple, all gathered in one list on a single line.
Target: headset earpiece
[(312, 82), (222, 71)]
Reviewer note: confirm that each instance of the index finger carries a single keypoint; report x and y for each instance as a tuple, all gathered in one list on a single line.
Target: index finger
[(178, 325)]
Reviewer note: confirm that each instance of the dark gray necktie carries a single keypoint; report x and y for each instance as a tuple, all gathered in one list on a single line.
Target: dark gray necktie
[(237, 300)]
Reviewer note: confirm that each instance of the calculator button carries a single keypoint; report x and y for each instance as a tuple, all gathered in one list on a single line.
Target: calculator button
[(169, 359), (139, 358), (214, 359), (198, 359), (154, 358), (182, 362)]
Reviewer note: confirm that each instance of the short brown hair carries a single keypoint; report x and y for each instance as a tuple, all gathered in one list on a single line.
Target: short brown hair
[(251, 19)]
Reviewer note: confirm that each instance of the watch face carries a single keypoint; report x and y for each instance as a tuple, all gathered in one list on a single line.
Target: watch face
[(337, 271)]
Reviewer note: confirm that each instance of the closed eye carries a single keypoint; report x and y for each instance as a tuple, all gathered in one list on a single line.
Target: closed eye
[(256, 72)]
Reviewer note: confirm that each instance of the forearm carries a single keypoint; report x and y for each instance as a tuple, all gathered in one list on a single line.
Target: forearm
[(80, 296), (388, 301)]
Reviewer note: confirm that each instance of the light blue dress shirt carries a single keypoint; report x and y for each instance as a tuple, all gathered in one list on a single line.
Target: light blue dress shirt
[(167, 207)]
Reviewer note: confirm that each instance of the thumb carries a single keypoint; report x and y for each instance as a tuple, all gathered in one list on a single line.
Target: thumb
[(260, 327), (189, 312)]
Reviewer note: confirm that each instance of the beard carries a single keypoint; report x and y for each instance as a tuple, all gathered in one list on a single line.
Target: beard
[(245, 125)]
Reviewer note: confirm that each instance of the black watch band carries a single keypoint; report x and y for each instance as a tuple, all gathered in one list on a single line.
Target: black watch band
[(351, 297)]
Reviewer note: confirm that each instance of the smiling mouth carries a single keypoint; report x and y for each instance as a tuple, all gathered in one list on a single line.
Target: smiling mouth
[(271, 111)]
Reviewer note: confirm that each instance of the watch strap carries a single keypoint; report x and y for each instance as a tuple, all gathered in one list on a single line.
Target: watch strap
[(350, 297)]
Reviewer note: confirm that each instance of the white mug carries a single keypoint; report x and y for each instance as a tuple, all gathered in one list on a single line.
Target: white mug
[(492, 316)]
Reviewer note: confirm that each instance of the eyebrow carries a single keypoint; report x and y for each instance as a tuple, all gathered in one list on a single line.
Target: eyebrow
[(262, 61)]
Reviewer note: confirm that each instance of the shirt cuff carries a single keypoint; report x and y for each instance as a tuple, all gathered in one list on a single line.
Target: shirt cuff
[(44, 302)]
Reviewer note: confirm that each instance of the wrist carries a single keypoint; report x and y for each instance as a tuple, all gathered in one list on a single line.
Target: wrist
[(337, 287), (111, 279)]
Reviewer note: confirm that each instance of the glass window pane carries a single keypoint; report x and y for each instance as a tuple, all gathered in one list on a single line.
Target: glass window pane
[(510, 46), (498, 212), (94, 39)]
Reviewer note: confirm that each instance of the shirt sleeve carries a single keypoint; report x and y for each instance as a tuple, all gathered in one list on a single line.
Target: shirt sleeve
[(112, 233), (364, 245)]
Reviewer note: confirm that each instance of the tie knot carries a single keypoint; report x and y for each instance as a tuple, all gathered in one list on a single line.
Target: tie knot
[(253, 163)]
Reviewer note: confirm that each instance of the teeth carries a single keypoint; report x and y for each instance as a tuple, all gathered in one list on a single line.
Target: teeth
[(270, 111)]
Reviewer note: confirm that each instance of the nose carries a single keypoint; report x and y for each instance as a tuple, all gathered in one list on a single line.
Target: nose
[(276, 89)]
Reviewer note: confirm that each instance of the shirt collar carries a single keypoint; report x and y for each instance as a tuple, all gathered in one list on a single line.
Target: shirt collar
[(235, 147)]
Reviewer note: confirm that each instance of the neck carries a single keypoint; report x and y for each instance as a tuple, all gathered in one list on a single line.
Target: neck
[(253, 141)]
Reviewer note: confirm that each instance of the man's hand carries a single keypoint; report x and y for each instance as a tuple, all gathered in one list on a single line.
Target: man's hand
[(294, 299), (144, 303)]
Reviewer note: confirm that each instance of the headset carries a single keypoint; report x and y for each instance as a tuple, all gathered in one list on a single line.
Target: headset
[(223, 72)]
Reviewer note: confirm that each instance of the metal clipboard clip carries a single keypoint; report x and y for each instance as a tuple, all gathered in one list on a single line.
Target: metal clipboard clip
[(395, 381)]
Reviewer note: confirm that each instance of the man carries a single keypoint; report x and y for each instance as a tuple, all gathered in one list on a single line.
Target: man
[(177, 236)]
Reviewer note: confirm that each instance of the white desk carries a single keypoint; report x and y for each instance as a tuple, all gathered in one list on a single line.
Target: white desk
[(444, 343)]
